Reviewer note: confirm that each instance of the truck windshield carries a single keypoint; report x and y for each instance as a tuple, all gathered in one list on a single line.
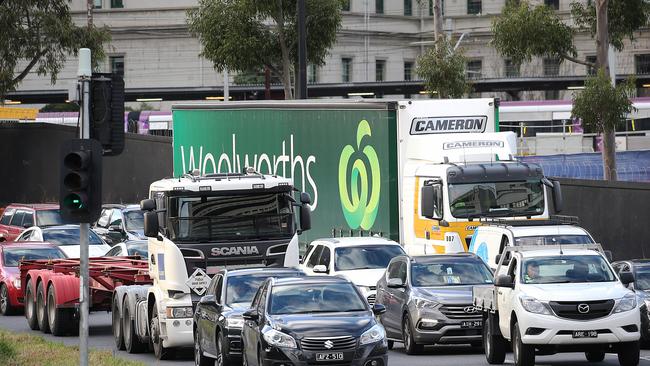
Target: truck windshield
[(642, 278), (553, 240), (365, 257), (231, 217), (450, 273), (567, 268), (496, 199)]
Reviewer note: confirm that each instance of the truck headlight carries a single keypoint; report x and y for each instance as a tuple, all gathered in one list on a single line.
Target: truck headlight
[(237, 323), (533, 305), (16, 283), (626, 303), (179, 312), (279, 339), (372, 335), (425, 304)]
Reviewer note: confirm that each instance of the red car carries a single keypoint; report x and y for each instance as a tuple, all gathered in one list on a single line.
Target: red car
[(11, 253), (17, 217)]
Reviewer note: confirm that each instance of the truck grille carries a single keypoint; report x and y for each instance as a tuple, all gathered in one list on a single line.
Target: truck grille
[(338, 343), (569, 309), (461, 312)]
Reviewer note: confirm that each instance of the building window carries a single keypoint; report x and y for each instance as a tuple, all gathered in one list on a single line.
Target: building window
[(642, 64), (117, 65), (117, 4), (380, 70), (97, 4), (408, 7), (512, 70), (312, 74), (346, 5), (551, 67), (553, 4), (474, 6), (552, 94), (591, 70), (379, 6), (346, 75), (408, 70), (473, 69)]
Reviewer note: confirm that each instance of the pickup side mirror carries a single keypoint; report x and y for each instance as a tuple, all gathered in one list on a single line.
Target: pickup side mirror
[(251, 314), (378, 309), (395, 283), (626, 277), (320, 268), (148, 205), (151, 227), (504, 281), (208, 300), (558, 202)]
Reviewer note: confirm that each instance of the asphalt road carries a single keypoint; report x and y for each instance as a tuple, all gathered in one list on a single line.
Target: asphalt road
[(101, 337)]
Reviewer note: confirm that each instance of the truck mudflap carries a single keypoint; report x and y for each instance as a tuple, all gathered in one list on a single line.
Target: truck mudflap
[(142, 320)]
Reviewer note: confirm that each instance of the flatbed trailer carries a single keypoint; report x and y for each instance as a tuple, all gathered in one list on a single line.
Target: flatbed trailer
[(51, 288)]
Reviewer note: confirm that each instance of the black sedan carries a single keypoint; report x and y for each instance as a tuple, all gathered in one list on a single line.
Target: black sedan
[(641, 285), (312, 320), (218, 314)]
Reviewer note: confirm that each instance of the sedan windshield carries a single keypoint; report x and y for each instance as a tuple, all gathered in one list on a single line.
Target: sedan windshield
[(134, 220), (13, 256), (48, 218), (318, 298), (241, 289), (567, 268), (450, 273), (365, 257), (68, 236), (642, 278), (496, 199), (553, 240), (138, 249)]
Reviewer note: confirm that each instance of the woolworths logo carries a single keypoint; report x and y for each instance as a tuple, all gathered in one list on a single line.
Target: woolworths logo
[(360, 180)]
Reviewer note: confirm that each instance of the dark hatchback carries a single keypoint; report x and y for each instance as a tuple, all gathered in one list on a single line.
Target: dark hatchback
[(218, 316), (312, 321)]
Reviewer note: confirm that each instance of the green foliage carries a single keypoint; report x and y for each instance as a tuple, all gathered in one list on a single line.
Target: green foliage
[(522, 32), (253, 77), (42, 33), (443, 70), (7, 352), (624, 17), (60, 107), (602, 106)]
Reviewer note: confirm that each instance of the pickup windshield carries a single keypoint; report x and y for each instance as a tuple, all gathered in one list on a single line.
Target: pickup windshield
[(642, 278), (496, 199), (450, 273), (567, 268), (231, 217)]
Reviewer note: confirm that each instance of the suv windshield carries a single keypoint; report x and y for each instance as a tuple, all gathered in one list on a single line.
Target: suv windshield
[(365, 257), (642, 278), (315, 298), (496, 199), (233, 217), (553, 240), (68, 236), (449, 273), (48, 218), (13, 256), (567, 268), (134, 220)]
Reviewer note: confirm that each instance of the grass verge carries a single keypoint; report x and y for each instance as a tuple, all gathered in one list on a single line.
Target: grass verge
[(27, 350)]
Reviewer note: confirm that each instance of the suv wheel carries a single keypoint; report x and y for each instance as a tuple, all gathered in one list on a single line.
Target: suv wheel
[(628, 353), (410, 346), (524, 354)]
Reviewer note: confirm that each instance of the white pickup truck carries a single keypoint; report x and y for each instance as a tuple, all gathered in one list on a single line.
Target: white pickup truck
[(558, 299)]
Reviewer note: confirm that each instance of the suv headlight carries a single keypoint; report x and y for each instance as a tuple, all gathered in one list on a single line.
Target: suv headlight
[(372, 335), (179, 312), (626, 303), (16, 283), (279, 339), (425, 304), (235, 323), (533, 305)]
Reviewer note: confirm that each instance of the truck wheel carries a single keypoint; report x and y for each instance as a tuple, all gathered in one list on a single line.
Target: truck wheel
[(59, 320), (41, 311), (159, 350), (132, 342), (5, 303), (495, 346), (199, 358), (597, 356), (30, 307), (628, 353), (116, 324), (524, 354), (410, 346)]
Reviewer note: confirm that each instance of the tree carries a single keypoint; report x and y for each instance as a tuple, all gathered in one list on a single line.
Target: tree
[(443, 70), (60, 107), (42, 33), (523, 32), (243, 35)]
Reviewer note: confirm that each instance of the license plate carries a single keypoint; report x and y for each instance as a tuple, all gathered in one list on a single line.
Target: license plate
[(585, 334), (331, 356), (471, 324)]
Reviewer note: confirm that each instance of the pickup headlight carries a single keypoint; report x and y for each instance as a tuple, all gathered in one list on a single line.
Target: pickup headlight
[(372, 335), (533, 305), (279, 339), (237, 323), (180, 312), (626, 303), (425, 304), (16, 283)]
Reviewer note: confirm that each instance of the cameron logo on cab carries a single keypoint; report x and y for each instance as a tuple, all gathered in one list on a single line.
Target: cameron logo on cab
[(460, 124), (226, 251)]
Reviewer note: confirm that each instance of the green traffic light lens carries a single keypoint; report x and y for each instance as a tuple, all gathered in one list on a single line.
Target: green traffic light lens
[(73, 201)]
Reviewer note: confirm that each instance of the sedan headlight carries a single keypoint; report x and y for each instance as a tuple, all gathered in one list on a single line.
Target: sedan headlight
[(180, 312), (234, 323), (425, 304), (626, 303), (16, 283), (279, 339), (533, 305), (372, 335)]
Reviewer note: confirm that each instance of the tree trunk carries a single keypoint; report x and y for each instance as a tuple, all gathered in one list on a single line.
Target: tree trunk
[(602, 47), (437, 19), (286, 62), (609, 155)]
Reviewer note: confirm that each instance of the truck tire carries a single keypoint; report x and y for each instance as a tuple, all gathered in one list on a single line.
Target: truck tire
[(597, 356), (41, 310), (199, 358), (160, 351), (116, 324), (628, 353), (59, 320), (410, 346), (495, 346), (30, 307), (5, 303), (132, 342), (524, 354)]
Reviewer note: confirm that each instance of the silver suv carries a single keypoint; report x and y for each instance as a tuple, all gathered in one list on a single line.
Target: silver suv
[(428, 300)]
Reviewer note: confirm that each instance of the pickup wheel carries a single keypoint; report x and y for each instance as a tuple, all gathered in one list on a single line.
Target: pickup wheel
[(30, 307), (524, 354), (161, 352), (132, 342), (628, 353), (494, 345), (597, 356), (59, 320), (5, 303), (116, 322), (41, 311), (410, 346)]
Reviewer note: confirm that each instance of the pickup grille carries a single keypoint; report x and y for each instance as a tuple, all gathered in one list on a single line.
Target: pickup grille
[(338, 343), (458, 312), (569, 309)]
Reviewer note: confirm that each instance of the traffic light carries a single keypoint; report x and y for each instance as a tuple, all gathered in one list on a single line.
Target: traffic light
[(107, 112), (80, 198)]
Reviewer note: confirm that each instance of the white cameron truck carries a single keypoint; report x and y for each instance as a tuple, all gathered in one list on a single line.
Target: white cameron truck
[(197, 225), (549, 299)]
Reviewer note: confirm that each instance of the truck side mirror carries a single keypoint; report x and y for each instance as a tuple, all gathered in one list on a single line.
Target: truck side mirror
[(504, 281), (431, 200), (305, 198), (148, 205), (151, 227), (558, 202), (305, 217)]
